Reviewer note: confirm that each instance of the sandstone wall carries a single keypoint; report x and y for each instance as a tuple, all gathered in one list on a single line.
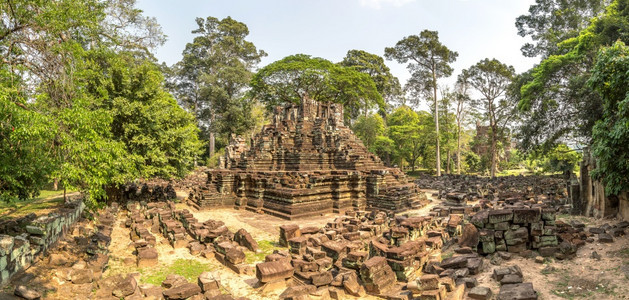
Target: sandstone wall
[(19, 251)]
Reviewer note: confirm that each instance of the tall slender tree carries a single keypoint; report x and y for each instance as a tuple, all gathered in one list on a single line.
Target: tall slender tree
[(462, 111), (373, 65), (491, 79), (214, 73), (428, 60)]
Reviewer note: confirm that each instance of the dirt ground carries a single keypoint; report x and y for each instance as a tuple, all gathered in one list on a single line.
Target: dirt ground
[(267, 227), (121, 248), (579, 278)]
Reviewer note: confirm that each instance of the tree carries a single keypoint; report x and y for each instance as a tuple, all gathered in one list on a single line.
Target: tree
[(411, 133), (610, 78), (428, 60), (63, 56), (373, 65), (159, 135), (369, 128), (461, 112), (297, 76), (491, 79), (214, 74), (550, 22), (555, 101), (26, 142), (561, 159)]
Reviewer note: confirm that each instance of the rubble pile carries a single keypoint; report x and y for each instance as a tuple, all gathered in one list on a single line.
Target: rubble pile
[(305, 163), (367, 253), (32, 236)]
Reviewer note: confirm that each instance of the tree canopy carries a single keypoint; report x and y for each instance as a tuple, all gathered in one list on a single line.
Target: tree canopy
[(297, 76)]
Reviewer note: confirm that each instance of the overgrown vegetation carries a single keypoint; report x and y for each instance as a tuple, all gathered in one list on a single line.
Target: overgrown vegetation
[(188, 268)]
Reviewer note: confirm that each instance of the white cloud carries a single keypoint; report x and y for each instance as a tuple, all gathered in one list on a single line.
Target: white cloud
[(377, 4)]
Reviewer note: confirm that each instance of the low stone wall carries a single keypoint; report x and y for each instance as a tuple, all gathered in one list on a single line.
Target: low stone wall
[(18, 252), (516, 230)]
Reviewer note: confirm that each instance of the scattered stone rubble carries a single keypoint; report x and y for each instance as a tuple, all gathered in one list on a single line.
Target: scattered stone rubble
[(32, 237), (305, 163)]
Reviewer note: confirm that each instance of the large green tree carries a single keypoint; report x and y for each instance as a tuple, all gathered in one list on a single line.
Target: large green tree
[(61, 53), (491, 79), (373, 65), (297, 76), (411, 133), (550, 22), (556, 103), (428, 60), (214, 74), (610, 78)]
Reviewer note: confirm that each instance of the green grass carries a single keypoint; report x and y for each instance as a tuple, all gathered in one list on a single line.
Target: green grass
[(47, 199), (188, 268), (447, 254), (514, 172), (266, 248)]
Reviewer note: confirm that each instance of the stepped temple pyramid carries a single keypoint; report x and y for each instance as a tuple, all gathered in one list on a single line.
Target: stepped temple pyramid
[(305, 163)]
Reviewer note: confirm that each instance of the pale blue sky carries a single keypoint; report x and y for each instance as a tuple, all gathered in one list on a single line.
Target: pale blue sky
[(477, 29)]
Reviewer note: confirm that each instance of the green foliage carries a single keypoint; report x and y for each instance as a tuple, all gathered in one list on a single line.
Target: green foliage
[(411, 132), (610, 78), (368, 128), (97, 114), (427, 58), (551, 21), (555, 100), (26, 140), (211, 79), (491, 79), (297, 76), (160, 137), (373, 65), (561, 159), (188, 268)]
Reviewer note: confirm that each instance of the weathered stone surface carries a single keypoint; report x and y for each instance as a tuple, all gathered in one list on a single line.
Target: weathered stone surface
[(274, 270), (207, 282), (244, 238), (480, 293), (298, 292), (235, 256), (455, 262), (183, 291), (147, 257), (377, 275), (173, 280), (323, 278), (26, 293), (125, 287), (469, 237), (520, 291)]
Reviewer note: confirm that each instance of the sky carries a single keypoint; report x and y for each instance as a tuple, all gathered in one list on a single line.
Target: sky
[(476, 29)]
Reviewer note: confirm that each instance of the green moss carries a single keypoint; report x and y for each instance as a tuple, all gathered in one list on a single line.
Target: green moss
[(266, 248), (188, 268)]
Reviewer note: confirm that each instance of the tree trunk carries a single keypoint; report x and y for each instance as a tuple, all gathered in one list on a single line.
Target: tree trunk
[(434, 81), (211, 146), (65, 196), (458, 150), (493, 153), (212, 138), (55, 184), (448, 163)]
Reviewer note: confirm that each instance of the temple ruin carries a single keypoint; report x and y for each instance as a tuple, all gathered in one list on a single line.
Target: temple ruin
[(305, 163)]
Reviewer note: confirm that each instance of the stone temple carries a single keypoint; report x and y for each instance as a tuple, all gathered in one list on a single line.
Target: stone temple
[(305, 163)]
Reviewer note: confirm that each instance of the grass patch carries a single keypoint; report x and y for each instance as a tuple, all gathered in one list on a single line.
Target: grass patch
[(514, 172), (573, 288), (188, 268), (266, 248), (46, 200), (447, 254)]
